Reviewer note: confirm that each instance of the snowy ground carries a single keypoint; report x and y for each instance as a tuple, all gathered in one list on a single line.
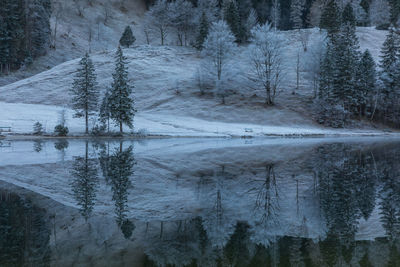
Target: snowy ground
[(167, 93), (21, 117)]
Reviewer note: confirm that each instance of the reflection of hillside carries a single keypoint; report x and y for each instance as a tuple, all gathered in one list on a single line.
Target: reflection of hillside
[(260, 206), (24, 232)]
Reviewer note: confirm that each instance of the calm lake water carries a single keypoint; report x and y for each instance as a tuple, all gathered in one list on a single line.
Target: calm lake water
[(186, 202)]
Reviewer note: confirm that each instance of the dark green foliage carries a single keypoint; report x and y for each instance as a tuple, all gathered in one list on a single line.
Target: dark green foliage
[(61, 145), (61, 130), (330, 18), (367, 82), (24, 32), (84, 91), (84, 172), (121, 103), (348, 15), (236, 250), (37, 128), (394, 11), (232, 18), (203, 31), (339, 90), (24, 232), (119, 170), (127, 38)]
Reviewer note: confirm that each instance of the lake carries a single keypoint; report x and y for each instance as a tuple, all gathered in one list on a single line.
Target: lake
[(200, 202)]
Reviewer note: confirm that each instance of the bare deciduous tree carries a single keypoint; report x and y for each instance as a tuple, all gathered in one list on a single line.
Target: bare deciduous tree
[(266, 59)]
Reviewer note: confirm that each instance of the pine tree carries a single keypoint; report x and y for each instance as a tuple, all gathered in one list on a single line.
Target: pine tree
[(122, 105), (232, 18), (338, 94), (296, 13), (347, 59), (394, 11), (203, 31), (367, 82), (330, 18), (127, 38), (348, 15), (85, 94), (389, 57)]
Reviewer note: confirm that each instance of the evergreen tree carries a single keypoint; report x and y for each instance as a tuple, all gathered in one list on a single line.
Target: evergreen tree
[(348, 15), (24, 32), (367, 82), (296, 13), (121, 104), (339, 77), (232, 18), (347, 59), (127, 38), (389, 57), (394, 11), (85, 94), (203, 31), (330, 18)]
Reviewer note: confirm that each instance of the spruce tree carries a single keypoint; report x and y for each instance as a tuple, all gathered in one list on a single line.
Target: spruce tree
[(348, 15), (339, 86), (330, 18), (347, 60), (389, 58), (203, 31), (122, 108), (296, 13), (367, 82), (127, 38), (232, 18), (84, 90)]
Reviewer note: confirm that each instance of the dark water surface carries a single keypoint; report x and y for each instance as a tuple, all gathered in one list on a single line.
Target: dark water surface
[(288, 202)]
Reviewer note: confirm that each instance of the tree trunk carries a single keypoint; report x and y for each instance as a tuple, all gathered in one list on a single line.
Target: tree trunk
[(86, 122), (120, 128)]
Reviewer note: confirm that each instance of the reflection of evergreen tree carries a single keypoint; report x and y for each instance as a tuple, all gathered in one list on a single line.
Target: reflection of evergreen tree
[(236, 250), (104, 160), (119, 171), (37, 145), (24, 233), (84, 172), (390, 201), (347, 192), (366, 181), (61, 145)]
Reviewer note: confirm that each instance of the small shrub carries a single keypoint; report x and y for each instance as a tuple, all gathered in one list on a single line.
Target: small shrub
[(61, 130), (37, 128), (99, 130)]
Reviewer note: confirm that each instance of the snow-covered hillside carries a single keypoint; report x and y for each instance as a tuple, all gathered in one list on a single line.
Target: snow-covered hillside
[(167, 92), (97, 28)]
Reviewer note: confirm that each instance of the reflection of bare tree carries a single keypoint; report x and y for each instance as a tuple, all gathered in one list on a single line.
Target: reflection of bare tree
[(267, 197)]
